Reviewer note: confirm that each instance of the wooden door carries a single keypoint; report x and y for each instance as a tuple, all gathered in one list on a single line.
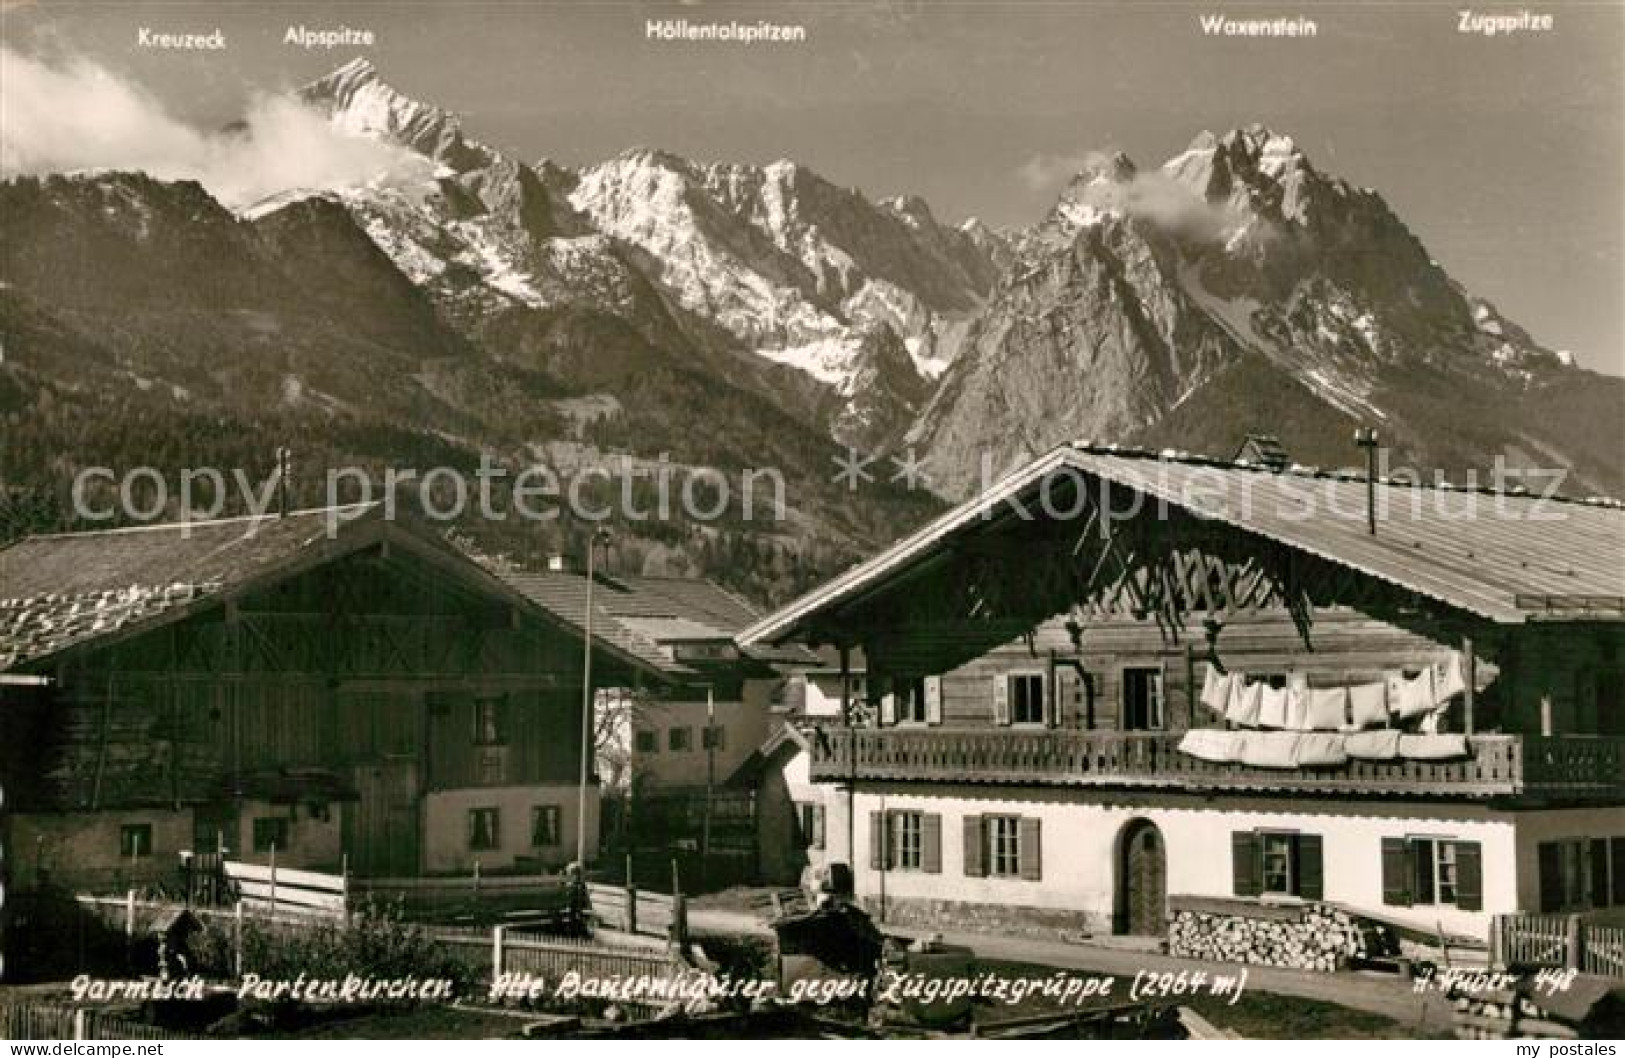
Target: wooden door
[(1143, 879), (381, 829)]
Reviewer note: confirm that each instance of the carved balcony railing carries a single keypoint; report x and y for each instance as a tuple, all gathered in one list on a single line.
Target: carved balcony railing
[(1564, 766)]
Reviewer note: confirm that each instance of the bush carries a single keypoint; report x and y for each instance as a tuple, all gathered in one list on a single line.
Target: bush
[(379, 944)]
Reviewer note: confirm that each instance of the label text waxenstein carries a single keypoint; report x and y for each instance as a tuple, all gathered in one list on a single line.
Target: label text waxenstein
[(681, 29)]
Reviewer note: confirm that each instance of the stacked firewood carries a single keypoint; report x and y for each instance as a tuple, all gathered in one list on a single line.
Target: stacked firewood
[(1319, 937), (1505, 1014)]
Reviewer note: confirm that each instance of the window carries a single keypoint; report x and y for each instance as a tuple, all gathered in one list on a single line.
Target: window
[(270, 832), (910, 697), (1004, 846), (712, 737), (488, 729), (1000, 847), (135, 840), (1577, 874), (1428, 870), (491, 764), (647, 742), (1280, 859), (484, 829), (1027, 698), (1142, 699), (679, 739), (907, 840), (1434, 862), (545, 828), (810, 816), (1277, 863)]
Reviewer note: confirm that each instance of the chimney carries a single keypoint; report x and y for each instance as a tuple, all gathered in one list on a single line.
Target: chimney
[(1366, 438)]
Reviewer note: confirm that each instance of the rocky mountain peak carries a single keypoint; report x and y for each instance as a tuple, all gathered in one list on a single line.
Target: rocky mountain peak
[(358, 100)]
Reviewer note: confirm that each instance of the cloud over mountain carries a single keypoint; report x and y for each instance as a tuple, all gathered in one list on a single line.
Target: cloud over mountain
[(76, 114)]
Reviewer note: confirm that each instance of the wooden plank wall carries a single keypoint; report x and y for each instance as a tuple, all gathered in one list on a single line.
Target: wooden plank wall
[(1348, 647)]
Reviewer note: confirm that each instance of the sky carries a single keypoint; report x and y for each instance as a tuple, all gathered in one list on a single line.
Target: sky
[(1504, 154)]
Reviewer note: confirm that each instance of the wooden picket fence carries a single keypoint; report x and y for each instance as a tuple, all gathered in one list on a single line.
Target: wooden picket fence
[(1559, 941), (1604, 950), (37, 1021)]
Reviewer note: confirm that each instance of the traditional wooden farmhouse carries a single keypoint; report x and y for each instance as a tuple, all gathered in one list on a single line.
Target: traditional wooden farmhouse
[(344, 687), (1125, 682)]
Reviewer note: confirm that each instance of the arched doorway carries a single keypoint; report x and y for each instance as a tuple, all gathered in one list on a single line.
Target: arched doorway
[(1142, 880)]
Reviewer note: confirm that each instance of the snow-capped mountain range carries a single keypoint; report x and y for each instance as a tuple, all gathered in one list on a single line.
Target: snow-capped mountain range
[(744, 316), (774, 262)]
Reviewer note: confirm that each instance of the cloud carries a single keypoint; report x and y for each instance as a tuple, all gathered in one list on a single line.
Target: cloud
[(1154, 196), (78, 115), (1047, 172)]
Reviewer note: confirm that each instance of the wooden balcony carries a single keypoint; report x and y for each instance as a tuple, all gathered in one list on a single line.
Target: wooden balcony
[(1577, 767)]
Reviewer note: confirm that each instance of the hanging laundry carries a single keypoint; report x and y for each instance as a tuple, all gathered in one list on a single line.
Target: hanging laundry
[(1368, 703), (1393, 683), (1272, 707), (1244, 701), (1328, 709), (1297, 700), (1448, 678), (1416, 694), (1216, 689)]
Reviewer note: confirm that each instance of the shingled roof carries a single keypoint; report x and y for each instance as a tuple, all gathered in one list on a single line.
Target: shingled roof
[(65, 590), (59, 590), (650, 617), (1517, 557)]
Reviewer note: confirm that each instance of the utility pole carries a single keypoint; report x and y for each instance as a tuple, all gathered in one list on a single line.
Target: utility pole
[(599, 535), (851, 749), (710, 780)]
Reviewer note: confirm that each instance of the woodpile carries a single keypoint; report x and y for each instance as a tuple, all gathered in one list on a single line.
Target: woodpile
[(1504, 1014), (1557, 1006), (1312, 937)]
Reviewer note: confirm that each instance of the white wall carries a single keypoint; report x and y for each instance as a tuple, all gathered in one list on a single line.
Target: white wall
[(1080, 831), (317, 844), (802, 790), (445, 826), (81, 849), (744, 723)]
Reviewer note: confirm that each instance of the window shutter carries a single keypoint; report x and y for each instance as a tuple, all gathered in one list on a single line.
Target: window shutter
[(1469, 876), (1246, 863), (931, 843), (1060, 703), (1618, 845), (1311, 870), (1396, 872), (888, 709), (975, 861), (1422, 878), (1551, 876), (877, 841), (1001, 700), (1031, 852), (1599, 872), (933, 699)]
